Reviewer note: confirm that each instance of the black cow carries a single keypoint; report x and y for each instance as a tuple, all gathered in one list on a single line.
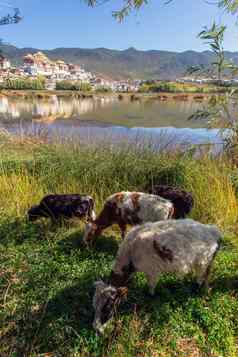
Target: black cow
[(182, 200), (58, 207)]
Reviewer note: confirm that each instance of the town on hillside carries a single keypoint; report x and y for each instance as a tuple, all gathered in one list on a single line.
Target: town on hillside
[(38, 64)]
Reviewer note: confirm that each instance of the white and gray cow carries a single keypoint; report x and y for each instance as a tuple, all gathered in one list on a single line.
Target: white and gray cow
[(131, 208), (172, 246)]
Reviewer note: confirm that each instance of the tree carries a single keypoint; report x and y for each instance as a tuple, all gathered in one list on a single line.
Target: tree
[(128, 6), (229, 5), (11, 18)]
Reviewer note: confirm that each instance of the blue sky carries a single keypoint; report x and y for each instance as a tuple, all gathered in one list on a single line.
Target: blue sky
[(70, 23)]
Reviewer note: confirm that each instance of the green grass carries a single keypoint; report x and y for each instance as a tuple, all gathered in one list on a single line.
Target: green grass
[(174, 87), (46, 276)]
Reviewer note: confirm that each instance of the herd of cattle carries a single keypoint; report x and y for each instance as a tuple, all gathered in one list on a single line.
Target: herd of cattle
[(161, 241)]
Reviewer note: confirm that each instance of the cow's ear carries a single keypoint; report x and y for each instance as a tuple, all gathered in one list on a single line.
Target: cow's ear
[(122, 292)]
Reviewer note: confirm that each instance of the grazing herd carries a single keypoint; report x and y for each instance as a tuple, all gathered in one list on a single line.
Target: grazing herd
[(161, 240)]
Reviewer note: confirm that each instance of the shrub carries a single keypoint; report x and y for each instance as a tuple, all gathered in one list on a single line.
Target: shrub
[(73, 85), (103, 89), (32, 84), (172, 87)]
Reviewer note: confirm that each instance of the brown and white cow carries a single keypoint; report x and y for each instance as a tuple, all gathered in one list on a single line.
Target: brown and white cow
[(173, 246), (131, 208)]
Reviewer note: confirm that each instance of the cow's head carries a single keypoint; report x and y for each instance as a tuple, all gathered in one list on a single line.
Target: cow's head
[(105, 301), (34, 213)]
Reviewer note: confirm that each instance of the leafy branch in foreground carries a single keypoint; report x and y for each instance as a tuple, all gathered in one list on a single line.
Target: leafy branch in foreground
[(229, 5), (11, 18), (127, 6), (214, 37), (221, 112)]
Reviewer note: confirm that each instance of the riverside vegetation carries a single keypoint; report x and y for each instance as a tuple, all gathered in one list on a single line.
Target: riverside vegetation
[(174, 87), (149, 87), (46, 276)]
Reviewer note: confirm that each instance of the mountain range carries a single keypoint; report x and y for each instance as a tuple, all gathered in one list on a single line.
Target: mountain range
[(129, 63)]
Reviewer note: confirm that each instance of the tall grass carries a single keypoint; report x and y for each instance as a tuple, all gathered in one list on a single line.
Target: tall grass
[(103, 171)]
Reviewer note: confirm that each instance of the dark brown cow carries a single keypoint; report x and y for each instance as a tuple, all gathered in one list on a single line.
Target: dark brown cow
[(182, 200), (63, 206)]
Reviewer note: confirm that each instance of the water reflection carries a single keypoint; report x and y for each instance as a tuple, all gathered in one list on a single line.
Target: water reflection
[(106, 118), (11, 108)]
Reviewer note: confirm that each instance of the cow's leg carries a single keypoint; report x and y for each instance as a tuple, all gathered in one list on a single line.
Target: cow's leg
[(90, 215), (123, 229), (54, 220), (93, 215), (203, 279), (152, 282)]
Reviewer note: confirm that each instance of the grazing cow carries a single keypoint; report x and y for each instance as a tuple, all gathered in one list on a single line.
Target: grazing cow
[(128, 208), (63, 206), (182, 200), (172, 246)]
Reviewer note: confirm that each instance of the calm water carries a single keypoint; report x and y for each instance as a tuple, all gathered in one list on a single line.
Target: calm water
[(106, 118)]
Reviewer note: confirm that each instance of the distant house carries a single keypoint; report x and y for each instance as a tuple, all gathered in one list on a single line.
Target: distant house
[(4, 63), (78, 73)]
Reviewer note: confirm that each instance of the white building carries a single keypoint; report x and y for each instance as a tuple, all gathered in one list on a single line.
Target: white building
[(39, 64), (4, 63)]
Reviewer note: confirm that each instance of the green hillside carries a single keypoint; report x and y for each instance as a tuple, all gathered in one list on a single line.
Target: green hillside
[(123, 64)]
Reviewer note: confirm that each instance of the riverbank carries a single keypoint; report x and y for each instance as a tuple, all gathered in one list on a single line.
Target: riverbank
[(46, 279), (162, 96)]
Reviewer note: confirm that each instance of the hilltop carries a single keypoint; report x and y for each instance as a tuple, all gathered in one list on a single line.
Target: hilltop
[(130, 63)]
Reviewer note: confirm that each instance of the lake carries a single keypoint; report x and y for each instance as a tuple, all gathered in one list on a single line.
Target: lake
[(106, 118)]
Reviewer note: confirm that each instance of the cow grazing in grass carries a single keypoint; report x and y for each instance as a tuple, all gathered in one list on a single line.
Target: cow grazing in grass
[(131, 208), (182, 200), (58, 207), (173, 246)]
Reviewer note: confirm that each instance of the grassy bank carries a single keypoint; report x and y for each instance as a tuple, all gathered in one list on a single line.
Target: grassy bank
[(44, 94), (172, 91), (175, 87), (46, 277)]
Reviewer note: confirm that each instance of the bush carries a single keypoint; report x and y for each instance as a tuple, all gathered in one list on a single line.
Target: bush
[(103, 89), (73, 85), (32, 84), (172, 87)]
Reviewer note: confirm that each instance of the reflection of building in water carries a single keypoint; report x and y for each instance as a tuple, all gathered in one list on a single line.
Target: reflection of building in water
[(50, 109), (8, 109)]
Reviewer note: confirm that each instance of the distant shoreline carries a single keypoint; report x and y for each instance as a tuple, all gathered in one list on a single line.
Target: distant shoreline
[(133, 96)]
